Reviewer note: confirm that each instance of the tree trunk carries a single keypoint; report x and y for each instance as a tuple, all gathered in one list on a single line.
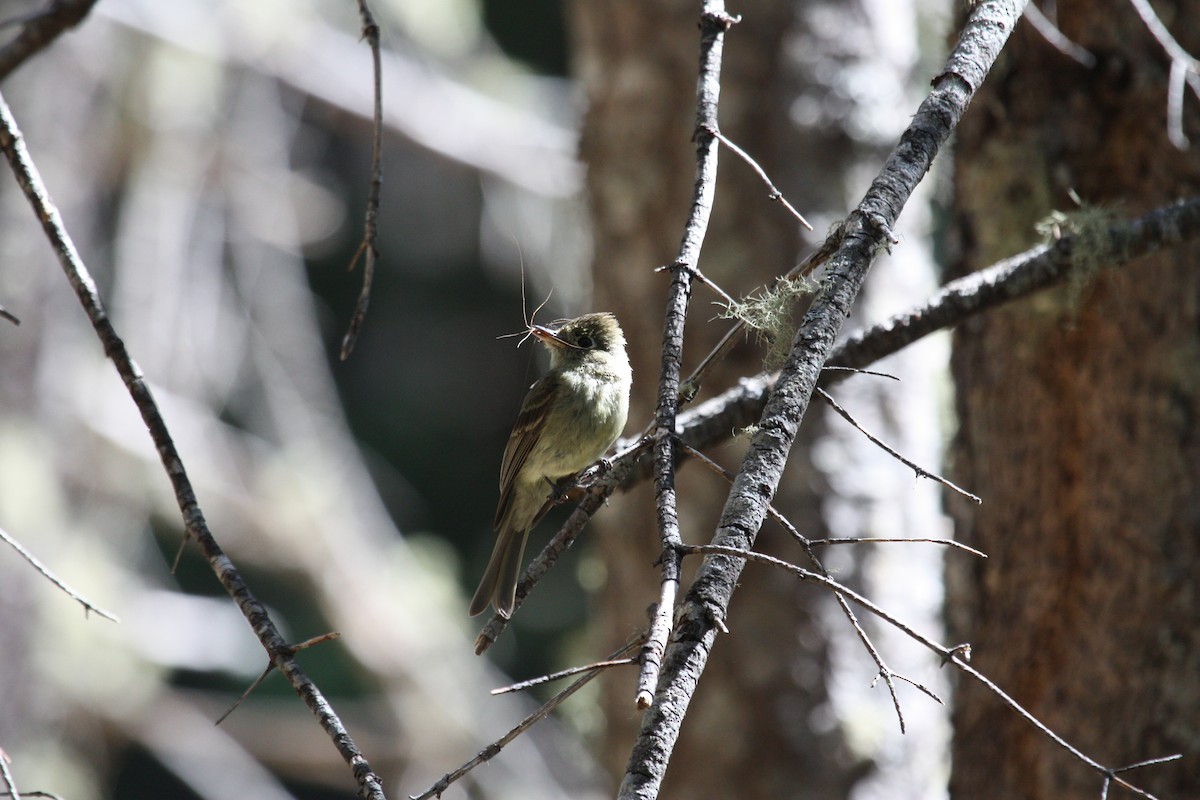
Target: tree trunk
[(1080, 427)]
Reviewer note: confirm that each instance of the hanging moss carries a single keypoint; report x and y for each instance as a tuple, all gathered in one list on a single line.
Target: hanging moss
[(770, 313)]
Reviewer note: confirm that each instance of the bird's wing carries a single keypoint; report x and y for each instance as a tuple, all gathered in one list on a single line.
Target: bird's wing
[(526, 432)]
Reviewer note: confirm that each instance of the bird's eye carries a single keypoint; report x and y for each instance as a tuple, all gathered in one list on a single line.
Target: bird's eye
[(586, 342)]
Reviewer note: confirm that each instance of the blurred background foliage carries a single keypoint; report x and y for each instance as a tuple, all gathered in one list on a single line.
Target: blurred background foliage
[(211, 161)]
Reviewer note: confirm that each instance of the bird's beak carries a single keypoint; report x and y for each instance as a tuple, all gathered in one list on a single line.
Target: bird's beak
[(547, 336)]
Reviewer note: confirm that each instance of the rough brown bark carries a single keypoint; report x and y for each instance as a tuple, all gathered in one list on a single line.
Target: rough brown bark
[(1080, 427)]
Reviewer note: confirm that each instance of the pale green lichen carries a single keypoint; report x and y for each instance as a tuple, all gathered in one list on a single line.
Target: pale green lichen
[(747, 432), (770, 313), (1091, 232)]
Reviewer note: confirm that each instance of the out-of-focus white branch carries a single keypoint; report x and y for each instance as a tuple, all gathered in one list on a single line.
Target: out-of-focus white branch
[(1185, 71), (422, 102)]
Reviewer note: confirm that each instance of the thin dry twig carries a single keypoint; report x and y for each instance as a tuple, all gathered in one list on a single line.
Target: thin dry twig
[(325, 637), (88, 606), (368, 248), (1108, 779), (884, 671), (856, 371), (237, 703), (8, 315), (774, 195), (565, 673), (700, 276), (920, 471), (948, 655), (493, 749), (896, 540), (13, 146)]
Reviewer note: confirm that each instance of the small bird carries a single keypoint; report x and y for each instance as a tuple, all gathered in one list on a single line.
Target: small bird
[(569, 418)]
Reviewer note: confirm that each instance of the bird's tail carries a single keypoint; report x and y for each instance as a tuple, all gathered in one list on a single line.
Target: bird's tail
[(499, 583)]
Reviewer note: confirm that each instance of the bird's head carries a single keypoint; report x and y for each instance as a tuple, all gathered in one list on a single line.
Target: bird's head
[(590, 338)]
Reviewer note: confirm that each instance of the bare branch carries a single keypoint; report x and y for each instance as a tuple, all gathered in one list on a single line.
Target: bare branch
[(661, 618), (88, 606), (898, 540), (949, 655), (369, 247), (917, 469), (39, 29), (565, 673), (13, 145), (775, 194), (714, 22), (493, 749)]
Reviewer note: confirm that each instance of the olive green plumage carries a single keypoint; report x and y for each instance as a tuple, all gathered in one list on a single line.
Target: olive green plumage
[(569, 418)]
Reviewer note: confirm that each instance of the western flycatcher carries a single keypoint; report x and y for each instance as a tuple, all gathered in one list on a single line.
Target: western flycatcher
[(569, 418)]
